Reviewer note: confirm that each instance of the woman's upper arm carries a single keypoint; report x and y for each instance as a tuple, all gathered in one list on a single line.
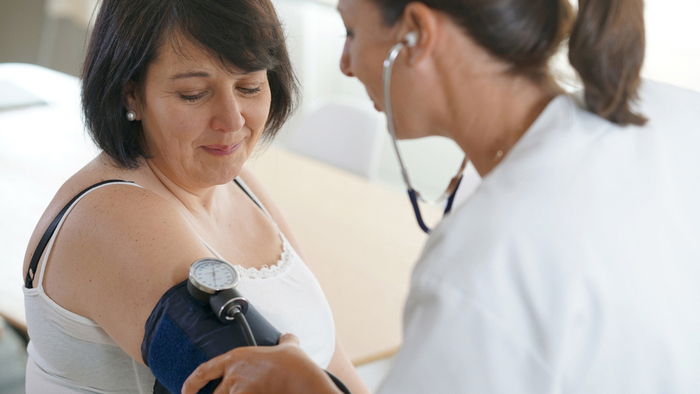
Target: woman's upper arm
[(117, 255)]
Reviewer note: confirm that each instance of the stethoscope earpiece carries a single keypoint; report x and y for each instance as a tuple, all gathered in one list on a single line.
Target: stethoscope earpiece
[(411, 38)]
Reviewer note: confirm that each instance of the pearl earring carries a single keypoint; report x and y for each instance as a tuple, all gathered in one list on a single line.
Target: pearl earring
[(130, 116)]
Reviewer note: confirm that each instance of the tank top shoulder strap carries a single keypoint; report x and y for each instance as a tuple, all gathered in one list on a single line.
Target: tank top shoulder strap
[(246, 190), (55, 225)]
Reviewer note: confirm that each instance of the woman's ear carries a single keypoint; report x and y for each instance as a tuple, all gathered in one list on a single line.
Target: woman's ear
[(131, 100), (421, 22)]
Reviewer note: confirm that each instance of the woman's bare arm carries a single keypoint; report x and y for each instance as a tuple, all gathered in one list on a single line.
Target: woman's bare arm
[(119, 251)]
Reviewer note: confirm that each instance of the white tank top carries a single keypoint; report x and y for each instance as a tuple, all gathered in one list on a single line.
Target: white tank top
[(69, 353)]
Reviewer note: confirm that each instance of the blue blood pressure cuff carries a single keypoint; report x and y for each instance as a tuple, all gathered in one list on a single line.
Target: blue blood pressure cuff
[(182, 333)]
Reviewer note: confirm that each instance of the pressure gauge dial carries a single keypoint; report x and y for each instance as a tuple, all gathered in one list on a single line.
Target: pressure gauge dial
[(209, 276)]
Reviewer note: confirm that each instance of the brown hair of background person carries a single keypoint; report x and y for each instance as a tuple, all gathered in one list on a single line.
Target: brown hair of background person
[(606, 43), (242, 35)]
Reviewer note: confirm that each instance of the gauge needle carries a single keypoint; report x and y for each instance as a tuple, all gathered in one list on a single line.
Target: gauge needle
[(213, 272)]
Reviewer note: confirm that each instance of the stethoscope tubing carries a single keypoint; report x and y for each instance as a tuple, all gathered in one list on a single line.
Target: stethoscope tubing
[(386, 79), (413, 195)]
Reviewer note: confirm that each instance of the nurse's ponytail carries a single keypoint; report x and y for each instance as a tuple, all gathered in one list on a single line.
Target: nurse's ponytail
[(606, 47)]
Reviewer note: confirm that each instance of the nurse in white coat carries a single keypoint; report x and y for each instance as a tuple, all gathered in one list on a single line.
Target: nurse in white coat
[(575, 266)]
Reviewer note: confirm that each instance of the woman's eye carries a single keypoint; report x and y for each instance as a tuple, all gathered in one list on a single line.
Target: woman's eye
[(349, 33), (192, 97), (250, 91)]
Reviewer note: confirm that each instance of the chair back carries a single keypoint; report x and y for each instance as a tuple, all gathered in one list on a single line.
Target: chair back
[(343, 134)]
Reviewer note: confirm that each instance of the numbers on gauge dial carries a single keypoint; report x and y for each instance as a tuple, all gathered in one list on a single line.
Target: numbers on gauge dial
[(215, 274)]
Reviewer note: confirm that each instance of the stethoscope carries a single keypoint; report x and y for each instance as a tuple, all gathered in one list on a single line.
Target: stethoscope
[(409, 41)]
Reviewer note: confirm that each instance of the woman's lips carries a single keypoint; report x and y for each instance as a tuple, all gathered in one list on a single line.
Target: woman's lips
[(221, 150)]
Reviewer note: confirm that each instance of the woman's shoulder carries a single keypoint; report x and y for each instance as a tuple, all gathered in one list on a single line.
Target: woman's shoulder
[(119, 213), (97, 171), (121, 245)]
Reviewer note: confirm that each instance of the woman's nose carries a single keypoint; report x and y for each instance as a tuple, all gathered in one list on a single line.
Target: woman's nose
[(345, 61), (227, 114)]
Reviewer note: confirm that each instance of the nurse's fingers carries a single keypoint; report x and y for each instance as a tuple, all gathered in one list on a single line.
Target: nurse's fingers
[(288, 339), (205, 372), (244, 367)]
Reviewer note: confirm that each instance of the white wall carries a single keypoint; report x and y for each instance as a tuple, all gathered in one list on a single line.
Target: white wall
[(673, 42)]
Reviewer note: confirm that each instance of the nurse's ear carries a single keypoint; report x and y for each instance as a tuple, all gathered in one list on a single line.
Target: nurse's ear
[(420, 27)]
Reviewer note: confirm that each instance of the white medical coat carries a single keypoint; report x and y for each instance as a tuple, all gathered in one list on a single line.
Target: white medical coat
[(573, 268)]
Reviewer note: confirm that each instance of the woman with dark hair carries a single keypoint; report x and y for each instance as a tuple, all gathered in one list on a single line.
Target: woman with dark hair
[(573, 268), (177, 95)]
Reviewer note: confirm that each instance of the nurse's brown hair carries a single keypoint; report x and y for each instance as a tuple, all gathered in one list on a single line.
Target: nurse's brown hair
[(606, 42)]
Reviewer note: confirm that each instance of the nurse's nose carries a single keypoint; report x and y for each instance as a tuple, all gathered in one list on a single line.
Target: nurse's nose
[(345, 61), (227, 113)]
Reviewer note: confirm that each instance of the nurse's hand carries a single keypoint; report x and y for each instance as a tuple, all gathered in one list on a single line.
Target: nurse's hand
[(281, 369)]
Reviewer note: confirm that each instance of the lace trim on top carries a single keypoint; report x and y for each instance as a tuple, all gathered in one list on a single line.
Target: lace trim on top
[(265, 272)]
